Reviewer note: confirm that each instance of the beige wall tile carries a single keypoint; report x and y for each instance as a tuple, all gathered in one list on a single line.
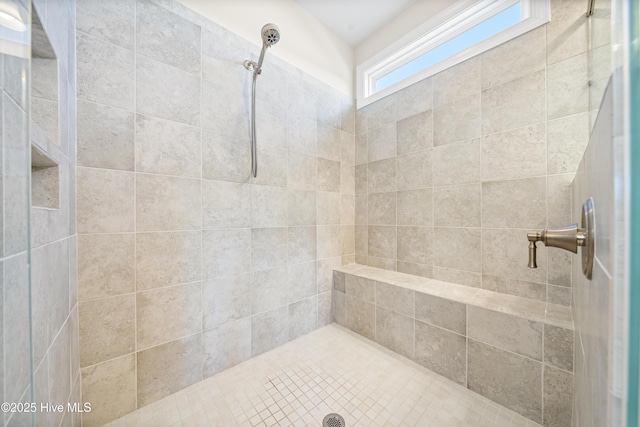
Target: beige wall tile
[(167, 314), (520, 288), (339, 308), (457, 121), (302, 244), (360, 316), (457, 248), (516, 58), (415, 133), (328, 208), (382, 241), (381, 142), (559, 199), (362, 152), (167, 203), (514, 154), (225, 158), (558, 395), (441, 312), (383, 208), (302, 281), (461, 277), (105, 72), (361, 186), (347, 179), (414, 170), (514, 204), (268, 248), (329, 244), (302, 172), (348, 147), (301, 207), (226, 346), (167, 92), (415, 245), (106, 265), (164, 259), (273, 168), (328, 143), (457, 205), (348, 240), (347, 209), (111, 389), (167, 37), (113, 22), (558, 347), (167, 368), (225, 299), (302, 134), (422, 270), (505, 254), (358, 287), (105, 137), (415, 207), (107, 328), (269, 330), (457, 163), (225, 204), (395, 331), (567, 32), (225, 252), (326, 274), (381, 176), (441, 351), (303, 317), (105, 201), (567, 140), (506, 378), (166, 147), (514, 104), (268, 206), (504, 331), (324, 309), (268, 290), (395, 298), (328, 175), (568, 87), (457, 82), (414, 99)]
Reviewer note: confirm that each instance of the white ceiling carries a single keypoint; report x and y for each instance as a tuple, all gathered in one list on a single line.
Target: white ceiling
[(354, 20)]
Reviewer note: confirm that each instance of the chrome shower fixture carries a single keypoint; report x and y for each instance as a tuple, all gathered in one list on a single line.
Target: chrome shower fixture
[(270, 36)]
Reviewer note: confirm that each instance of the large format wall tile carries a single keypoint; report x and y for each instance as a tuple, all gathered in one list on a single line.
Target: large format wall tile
[(395, 331), (105, 72), (505, 331), (441, 351), (107, 328), (514, 104), (508, 379), (105, 137), (105, 201), (457, 121), (269, 330), (514, 204), (112, 21), (226, 346), (360, 317), (457, 82), (166, 314), (225, 252), (224, 300), (226, 205), (106, 265), (167, 368), (166, 147), (166, 37), (164, 259), (441, 312), (111, 389), (167, 203), (167, 92)]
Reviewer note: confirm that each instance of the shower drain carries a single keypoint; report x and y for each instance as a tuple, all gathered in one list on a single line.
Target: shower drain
[(333, 420)]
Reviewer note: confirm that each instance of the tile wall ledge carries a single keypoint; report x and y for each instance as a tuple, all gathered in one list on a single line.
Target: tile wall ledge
[(540, 311)]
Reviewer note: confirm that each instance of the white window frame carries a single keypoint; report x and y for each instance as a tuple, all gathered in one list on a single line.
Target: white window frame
[(453, 21)]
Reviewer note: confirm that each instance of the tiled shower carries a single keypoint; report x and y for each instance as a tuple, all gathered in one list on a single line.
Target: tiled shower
[(145, 260)]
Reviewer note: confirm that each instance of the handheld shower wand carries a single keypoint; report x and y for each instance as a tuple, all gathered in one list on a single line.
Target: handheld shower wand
[(270, 36)]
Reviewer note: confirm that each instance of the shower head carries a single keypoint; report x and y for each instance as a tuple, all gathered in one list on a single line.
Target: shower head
[(270, 34)]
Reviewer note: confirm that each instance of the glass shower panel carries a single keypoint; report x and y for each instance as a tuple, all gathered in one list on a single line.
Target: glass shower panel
[(16, 371)]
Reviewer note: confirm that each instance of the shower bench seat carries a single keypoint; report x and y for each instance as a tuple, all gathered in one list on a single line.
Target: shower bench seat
[(515, 351)]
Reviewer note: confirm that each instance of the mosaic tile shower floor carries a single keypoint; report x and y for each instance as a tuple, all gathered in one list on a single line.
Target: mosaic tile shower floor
[(328, 370)]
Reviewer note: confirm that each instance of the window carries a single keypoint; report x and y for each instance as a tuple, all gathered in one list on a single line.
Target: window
[(464, 30)]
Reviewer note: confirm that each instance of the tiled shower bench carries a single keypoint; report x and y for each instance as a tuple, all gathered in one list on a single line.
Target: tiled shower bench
[(515, 351)]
